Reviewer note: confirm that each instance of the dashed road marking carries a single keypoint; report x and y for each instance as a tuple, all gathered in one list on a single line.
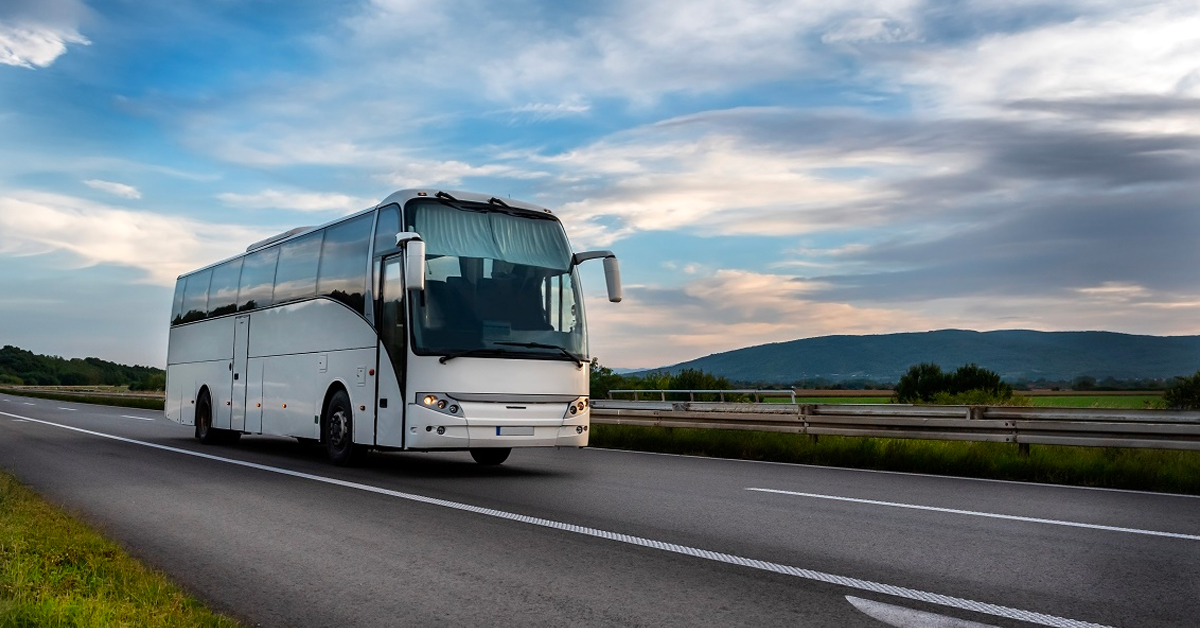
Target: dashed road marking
[(991, 515), (140, 418)]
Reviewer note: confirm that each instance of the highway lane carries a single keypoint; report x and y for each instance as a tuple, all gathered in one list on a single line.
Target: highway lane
[(293, 551)]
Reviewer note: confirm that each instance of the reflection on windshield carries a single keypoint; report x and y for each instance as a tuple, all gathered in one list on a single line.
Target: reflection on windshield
[(497, 282)]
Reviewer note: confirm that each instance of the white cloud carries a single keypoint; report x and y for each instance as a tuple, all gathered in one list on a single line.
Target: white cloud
[(117, 189), (297, 201), (29, 46), (33, 223), (34, 33), (1127, 50)]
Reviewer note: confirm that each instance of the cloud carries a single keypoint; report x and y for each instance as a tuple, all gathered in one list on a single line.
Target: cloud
[(161, 246), (117, 189), (725, 310), (36, 33), (296, 201)]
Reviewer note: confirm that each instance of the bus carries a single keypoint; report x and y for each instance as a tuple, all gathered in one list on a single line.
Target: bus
[(436, 320)]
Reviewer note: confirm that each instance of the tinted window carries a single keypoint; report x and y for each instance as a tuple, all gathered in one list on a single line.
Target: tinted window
[(296, 276), (258, 278), (195, 297), (389, 226), (177, 303), (343, 272), (223, 291)]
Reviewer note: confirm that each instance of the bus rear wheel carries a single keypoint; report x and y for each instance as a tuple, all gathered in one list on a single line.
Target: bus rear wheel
[(491, 456), (337, 430)]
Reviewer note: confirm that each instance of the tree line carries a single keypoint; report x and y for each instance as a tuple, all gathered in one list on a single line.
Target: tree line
[(21, 367)]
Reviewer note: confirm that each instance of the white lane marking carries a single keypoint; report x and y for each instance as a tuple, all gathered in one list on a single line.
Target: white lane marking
[(68, 409), (902, 617), (730, 559), (140, 418), (992, 515), (905, 473), (19, 421), (28, 404)]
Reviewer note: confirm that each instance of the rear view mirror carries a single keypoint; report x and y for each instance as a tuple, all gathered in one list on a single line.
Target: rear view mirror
[(612, 271), (612, 277), (414, 260)]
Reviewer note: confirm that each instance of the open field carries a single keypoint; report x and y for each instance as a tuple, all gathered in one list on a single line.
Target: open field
[(103, 395), (54, 571)]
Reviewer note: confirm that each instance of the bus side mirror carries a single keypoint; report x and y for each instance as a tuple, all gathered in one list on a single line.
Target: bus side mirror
[(414, 260), (612, 277), (612, 271)]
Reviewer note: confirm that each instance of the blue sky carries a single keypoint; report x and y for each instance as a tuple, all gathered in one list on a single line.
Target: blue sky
[(765, 170)]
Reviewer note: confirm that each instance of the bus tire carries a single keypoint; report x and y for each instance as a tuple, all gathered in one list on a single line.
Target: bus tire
[(337, 431), (491, 456), (205, 432)]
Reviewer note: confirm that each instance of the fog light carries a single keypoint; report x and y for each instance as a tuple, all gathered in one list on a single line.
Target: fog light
[(428, 428), (428, 400), (578, 429), (441, 404), (441, 430), (453, 409)]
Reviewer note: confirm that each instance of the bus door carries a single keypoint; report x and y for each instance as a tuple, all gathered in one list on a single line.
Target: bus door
[(241, 342), (393, 338)]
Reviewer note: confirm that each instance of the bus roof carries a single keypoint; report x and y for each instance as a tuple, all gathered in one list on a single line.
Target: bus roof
[(399, 198)]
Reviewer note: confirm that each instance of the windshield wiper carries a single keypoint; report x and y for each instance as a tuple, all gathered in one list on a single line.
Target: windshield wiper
[(542, 345), (477, 351)]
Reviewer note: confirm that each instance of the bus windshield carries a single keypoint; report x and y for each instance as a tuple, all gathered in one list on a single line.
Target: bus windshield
[(498, 283)]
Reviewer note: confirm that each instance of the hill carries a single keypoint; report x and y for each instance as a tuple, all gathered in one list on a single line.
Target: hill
[(18, 366), (1014, 354)]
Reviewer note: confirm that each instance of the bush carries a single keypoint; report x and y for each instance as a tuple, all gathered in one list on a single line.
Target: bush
[(968, 385), (10, 379), (1183, 393)]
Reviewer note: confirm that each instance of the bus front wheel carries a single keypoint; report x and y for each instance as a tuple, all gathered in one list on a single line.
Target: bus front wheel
[(338, 431), (491, 456)]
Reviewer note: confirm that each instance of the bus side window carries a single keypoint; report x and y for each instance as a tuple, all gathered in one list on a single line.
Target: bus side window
[(342, 274), (258, 277), (223, 292), (195, 297), (386, 230), (296, 275), (177, 304)]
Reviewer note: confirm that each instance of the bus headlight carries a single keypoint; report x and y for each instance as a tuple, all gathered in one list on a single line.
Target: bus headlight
[(440, 402), (576, 407)]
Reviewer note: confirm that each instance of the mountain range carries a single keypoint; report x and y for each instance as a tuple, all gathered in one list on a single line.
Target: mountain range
[(1014, 354)]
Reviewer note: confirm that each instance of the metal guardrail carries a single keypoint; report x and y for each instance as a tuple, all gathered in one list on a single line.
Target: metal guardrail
[(1088, 427), (662, 394)]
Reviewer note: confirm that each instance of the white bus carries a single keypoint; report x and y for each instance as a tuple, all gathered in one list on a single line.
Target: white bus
[(432, 321)]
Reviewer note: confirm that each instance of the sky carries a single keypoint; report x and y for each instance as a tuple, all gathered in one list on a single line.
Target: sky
[(764, 170)]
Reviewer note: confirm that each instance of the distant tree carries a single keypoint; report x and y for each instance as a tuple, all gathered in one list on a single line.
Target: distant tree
[(5, 378), (1183, 393), (967, 385), (1085, 382), (920, 383)]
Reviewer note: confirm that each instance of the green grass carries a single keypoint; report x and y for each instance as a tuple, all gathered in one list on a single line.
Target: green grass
[(1136, 469), (54, 571), (1125, 402), (145, 403)]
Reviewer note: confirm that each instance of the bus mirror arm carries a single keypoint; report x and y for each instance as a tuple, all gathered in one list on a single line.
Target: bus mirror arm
[(612, 271), (414, 260)]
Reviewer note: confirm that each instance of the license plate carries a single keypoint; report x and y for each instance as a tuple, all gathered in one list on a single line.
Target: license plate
[(514, 431)]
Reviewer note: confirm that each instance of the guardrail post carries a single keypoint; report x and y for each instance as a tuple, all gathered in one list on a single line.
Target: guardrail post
[(1023, 449)]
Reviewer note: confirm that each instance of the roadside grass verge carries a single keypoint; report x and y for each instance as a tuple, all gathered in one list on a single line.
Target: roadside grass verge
[(54, 571), (1158, 470), (126, 401)]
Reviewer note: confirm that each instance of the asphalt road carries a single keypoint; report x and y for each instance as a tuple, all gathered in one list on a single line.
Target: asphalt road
[(270, 533)]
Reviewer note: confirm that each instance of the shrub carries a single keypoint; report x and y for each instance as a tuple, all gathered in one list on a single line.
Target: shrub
[(968, 385), (1183, 393)]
